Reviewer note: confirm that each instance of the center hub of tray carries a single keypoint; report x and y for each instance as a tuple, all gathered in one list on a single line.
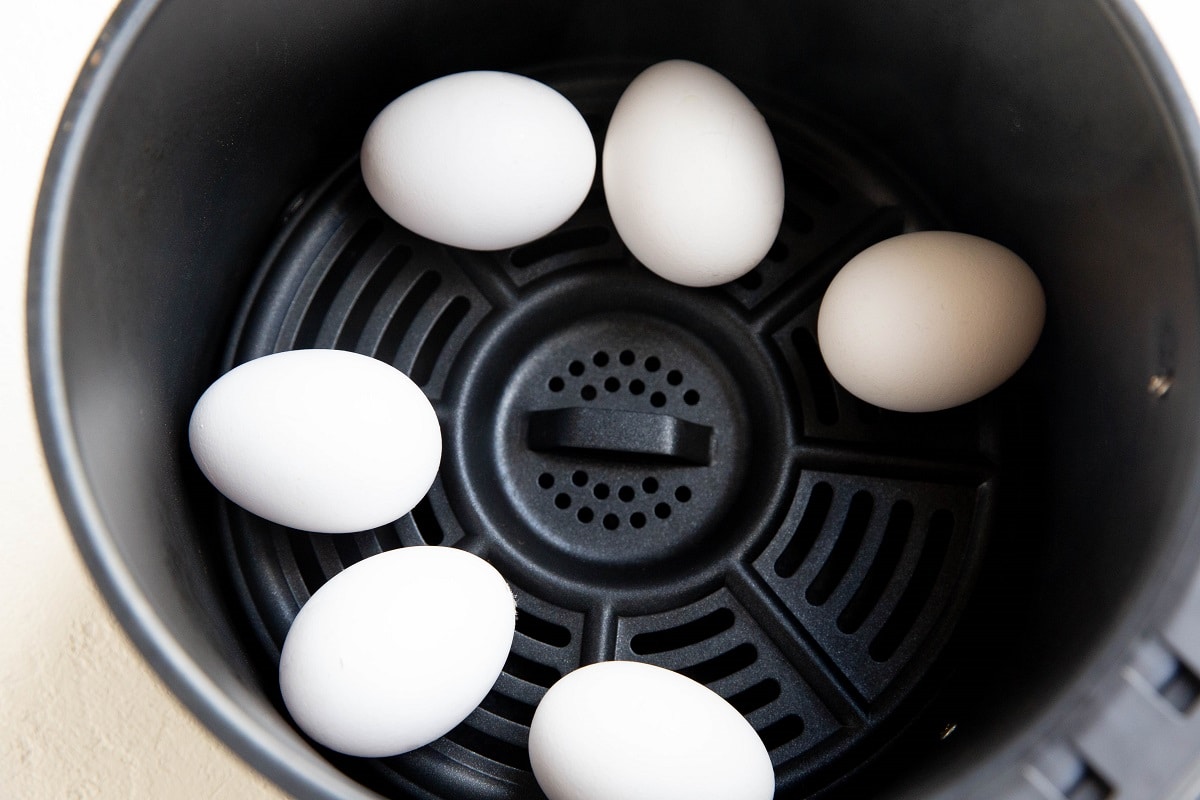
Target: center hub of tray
[(610, 428)]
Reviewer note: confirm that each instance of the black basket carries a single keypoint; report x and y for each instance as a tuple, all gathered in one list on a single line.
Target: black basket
[(928, 605)]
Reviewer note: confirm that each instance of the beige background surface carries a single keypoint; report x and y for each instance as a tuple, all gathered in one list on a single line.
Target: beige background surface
[(80, 714)]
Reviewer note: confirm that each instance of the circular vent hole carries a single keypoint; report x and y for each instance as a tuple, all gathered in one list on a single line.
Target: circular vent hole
[(579, 478), (662, 510), (562, 500), (653, 364), (575, 368), (637, 520), (546, 480), (658, 399), (585, 515), (636, 386), (556, 384), (683, 494), (650, 485), (627, 357), (691, 397), (626, 494), (601, 491), (611, 522), (588, 392), (612, 384), (600, 359), (674, 377)]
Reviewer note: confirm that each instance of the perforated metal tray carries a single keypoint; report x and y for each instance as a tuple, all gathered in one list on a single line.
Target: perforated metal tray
[(661, 473)]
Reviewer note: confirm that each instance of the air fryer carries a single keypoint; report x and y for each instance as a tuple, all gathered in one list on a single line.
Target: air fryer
[(993, 601)]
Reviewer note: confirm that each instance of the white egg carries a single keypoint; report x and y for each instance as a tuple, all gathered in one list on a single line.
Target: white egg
[(321, 440), (396, 650), (480, 160), (640, 732), (929, 320), (692, 176)]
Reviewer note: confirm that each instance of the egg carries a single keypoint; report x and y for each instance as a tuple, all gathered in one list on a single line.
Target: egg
[(640, 732), (691, 175), (929, 320), (321, 440), (396, 650), (480, 160)]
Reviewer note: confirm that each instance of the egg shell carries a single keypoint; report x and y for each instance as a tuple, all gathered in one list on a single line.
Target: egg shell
[(691, 175), (480, 160), (640, 732), (396, 650), (929, 320), (321, 440)]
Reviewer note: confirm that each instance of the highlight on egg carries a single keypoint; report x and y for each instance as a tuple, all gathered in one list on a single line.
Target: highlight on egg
[(481, 160), (930, 320), (692, 176), (642, 732), (396, 650), (327, 441)]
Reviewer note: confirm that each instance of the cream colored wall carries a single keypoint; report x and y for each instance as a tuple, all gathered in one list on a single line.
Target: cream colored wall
[(80, 714)]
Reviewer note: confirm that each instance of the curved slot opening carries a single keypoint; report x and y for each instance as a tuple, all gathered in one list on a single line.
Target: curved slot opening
[(510, 708), (755, 697), (685, 635), (438, 338), (782, 731), (427, 524), (811, 523), (370, 295), (819, 382), (557, 244), (919, 589), (883, 567), (491, 747), (332, 282), (845, 549), (406, 313), (722, 666), (542, 630), (531, 671)]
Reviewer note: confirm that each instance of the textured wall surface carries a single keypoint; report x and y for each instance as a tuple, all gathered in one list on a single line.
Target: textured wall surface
[(81, 716)]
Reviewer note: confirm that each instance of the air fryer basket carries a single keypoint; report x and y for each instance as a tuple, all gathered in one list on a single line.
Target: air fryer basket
[(986, 602)]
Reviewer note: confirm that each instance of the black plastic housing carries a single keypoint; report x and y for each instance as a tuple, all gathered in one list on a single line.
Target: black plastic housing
[(202, 206)]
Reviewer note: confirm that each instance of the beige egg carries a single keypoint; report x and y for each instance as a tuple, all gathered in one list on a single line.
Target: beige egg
[(930, 320)]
